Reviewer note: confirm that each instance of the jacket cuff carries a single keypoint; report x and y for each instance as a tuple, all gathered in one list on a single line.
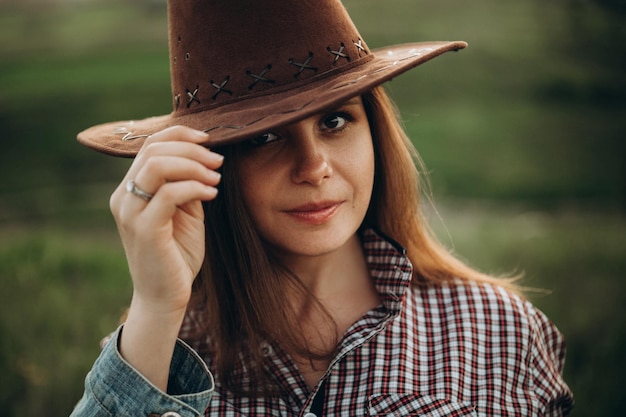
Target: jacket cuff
[(122, 390)]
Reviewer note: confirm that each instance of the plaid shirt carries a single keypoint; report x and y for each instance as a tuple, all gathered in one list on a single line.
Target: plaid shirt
[(457, 349)]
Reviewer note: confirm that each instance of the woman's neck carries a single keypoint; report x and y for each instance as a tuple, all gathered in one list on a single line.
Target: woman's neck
[(340, 282), (321, 274)]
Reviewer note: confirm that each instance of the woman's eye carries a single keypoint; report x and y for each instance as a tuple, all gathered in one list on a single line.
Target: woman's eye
[(263, 139), (335, 122)]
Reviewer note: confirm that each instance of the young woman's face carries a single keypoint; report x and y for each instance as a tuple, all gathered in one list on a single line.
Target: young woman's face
[(307, 186)]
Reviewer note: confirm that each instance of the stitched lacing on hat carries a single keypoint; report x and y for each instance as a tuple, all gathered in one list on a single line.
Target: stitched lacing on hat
[(261, 77), (338, 87), (128, 135)]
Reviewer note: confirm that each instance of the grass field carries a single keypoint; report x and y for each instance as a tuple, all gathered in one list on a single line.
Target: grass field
[(522, 134)]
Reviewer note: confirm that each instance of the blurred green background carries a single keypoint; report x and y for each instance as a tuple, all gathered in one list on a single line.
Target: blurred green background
[(523, 135)]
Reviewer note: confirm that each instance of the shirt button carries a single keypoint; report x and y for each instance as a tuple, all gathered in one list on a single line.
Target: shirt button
[(310, 415), (170, 414), (267, 351)]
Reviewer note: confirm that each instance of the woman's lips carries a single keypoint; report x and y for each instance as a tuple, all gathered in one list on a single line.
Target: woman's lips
[(315, 213)]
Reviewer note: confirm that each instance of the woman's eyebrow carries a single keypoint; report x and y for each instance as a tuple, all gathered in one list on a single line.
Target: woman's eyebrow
[(352, 102)]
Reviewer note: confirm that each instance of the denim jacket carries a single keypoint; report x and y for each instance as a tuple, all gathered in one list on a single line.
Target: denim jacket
[(114, 388)]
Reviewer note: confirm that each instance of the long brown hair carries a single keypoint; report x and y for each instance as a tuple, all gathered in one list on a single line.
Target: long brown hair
[(396, 209), (241, 289)]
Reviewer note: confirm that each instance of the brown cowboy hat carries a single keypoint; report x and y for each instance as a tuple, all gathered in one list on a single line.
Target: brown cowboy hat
[(242, 67)]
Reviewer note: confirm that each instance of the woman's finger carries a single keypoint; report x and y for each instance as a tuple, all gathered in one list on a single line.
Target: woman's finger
[(182, 141), (159, 170), (170, 155), (187, 150), (180, 133), (173, 195)]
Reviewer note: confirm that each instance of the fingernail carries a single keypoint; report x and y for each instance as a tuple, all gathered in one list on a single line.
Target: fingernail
[(202, 134), (218, 156), (215, 176), (213, 191)]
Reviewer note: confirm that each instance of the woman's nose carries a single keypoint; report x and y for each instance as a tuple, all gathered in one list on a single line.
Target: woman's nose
[(311, 161)]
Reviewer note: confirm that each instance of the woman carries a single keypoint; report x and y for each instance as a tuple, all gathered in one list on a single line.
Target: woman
[(279, 235)]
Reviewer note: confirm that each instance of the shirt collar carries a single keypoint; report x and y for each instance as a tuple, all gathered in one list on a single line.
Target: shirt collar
[(389, 267)]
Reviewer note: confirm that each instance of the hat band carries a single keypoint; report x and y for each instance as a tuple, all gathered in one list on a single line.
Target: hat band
[(244, 85)]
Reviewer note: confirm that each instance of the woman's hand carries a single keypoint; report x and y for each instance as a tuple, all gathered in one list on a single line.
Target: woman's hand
[(163, 238)]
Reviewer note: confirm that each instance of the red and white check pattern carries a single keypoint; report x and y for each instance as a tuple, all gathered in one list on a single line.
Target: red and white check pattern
[(435, 350)]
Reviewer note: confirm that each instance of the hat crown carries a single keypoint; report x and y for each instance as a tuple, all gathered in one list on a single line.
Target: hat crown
[(227, 50)]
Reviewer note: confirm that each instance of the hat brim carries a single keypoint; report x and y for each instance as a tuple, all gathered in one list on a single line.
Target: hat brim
[(236, 121)]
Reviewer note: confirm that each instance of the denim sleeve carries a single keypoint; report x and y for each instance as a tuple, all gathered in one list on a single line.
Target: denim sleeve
[(114, 388)]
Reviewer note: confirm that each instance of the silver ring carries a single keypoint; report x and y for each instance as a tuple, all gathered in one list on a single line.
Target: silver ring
[(132, 188)]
